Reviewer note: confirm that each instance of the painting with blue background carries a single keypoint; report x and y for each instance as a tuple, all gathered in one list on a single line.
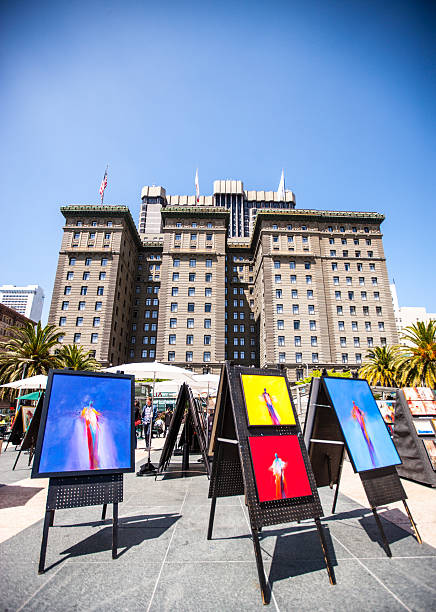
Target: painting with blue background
[(88, 425), (363, 427)]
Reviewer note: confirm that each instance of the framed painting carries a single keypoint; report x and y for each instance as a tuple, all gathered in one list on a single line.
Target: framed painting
[(430, 447), (279, 469), (87, 425), (267, 400), (368, 441), (423, 427)]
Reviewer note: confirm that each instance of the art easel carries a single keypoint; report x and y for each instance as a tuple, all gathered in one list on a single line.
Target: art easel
[(233, 474), (79, 491), (192, 425), (327, 445), (31, 435)]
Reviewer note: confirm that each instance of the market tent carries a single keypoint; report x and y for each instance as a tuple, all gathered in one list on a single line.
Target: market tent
[(153, 369), (31, 396), (33, 382)]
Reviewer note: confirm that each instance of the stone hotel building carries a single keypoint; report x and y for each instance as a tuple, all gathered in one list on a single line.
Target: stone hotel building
[(240, 275)]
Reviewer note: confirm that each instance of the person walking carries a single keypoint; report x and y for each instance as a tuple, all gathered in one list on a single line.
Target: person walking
[(168, 417), (147, 420)]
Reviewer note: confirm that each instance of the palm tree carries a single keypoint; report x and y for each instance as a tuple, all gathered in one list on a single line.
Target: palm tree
[(28, 352), (418, 357), (380, 367), (75, 357)]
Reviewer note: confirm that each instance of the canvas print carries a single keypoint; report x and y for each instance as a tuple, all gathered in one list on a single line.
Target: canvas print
[(433, 422), (421, 400), (365, 432), (267, 400), (387, 409), (28, 412), (88, 425), (423, 427), (279, 468), (430, 447)]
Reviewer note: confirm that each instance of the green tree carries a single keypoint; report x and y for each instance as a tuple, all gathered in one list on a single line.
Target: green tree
[(418, 357), (28, 352), (381, 366), (318, 374), (75, 357)]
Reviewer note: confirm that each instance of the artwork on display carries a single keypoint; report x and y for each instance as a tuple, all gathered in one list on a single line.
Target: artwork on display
[(430, 447), (387, 409), (433, 422), (279, 469), (421, 400), (86, 425), (267, 400), (368, 440), (423, 427), (28, 412)]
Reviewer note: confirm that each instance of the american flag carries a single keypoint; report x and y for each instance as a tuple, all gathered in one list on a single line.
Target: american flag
[(103, 185)]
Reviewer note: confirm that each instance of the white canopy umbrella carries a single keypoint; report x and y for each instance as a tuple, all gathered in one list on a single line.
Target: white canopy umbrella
[(212, 379), (153, 369), (173, 386), (33, 382)]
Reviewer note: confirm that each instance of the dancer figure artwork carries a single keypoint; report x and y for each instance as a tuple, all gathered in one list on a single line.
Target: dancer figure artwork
[(88, 425), (369, 443), (279, 468), (267, 400)]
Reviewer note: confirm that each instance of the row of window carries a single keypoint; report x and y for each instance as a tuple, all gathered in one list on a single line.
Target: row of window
[(363, 295), (292, 278), (305, 239), (241, 315), (191, 291), (347, 267), (241, 355), (189, 356), (355, 241), (349, 280), (194, 224), (81, 305), (147, 326), (145, 340), (83, 290), (333, 253), (296, 309), (86, 276), (191, 307), (79, 321), (192, 263), (78, 338), (329, 228), (93, 224), (194, 235), (189, 339), (91, 236), (315, 358), (355, 325), (145, 353), (192, 277), (294, 293), (88, 261), (190, 323), (365, 309), (141, 257), (292, 265)]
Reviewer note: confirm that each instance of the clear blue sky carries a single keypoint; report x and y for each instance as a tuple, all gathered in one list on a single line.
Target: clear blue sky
[(341, 94)]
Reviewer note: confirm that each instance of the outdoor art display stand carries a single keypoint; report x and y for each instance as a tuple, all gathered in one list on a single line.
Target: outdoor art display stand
[(255, 437), (85, 443), (342, 415), (16, 434), (192, 426), (31, 435), (415, 434)]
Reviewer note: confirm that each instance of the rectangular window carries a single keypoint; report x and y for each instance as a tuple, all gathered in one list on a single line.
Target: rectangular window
[(292, 265), (208, 263), (94, 338), (98, 305), (282, 357), (174, 306), (293, 279), (356, 341), (314, 340), (334, 266), (312, 325), (207, 339), (295, 309), (88, 261), (296, 324), (344, 357), (279, 308), (381, 326), (343, 341), (339, 310), (337, 295), (72, 261), (175, 276), (206, 356), (77, 338), (191, 306), (314, 357), (341, 325), (281, 341), (376, 295), (370, 342), (67, 290), (311, 309), (79, 321), (83, 290), (62, 321), (171, 356), (103, 261), (363, 295), (278, 278), (280, 324), (152, 354), (276, 265), (354, 325), (100, 290), (278, 294), (208, 277), (189, 356), (174, 291), (172, 339), (336, 280), (101, 276), (81, 306), (298, 357), (70, 275), (192, 263), (308, 280), (176, 264), (189, 339), (208, 308), (173, 323), (332, 252), (351, 295), (208, 292), (96, 322)]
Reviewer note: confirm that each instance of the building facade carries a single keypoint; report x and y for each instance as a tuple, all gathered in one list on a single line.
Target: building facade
[(199, 283), (27, 300), (9, 317), (408, 315)]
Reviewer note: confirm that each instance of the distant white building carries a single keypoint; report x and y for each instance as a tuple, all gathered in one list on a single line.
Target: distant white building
[(408, 315), (28, 300)]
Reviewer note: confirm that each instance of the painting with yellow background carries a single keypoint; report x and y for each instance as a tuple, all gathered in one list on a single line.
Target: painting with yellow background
[(267, 400)]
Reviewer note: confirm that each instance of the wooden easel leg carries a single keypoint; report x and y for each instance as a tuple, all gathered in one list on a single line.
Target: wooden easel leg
[(412, 522), (383, 535), (211, 518), (103, 512), (260, 570), (42, 554), (338, 480), (16, 460), (329, 471), (115, 532), (185, 460), (329, 566), (52, 513)]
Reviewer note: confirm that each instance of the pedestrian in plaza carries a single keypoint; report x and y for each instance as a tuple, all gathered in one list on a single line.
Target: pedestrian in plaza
[(147, 420), (167, 420)]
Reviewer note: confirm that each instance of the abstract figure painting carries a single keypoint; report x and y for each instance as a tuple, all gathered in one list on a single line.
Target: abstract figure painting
[(267, 400), (365, 432), (279, 468), (86, 425)]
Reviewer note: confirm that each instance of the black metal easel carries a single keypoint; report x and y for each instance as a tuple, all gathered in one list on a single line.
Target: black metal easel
[(232, 468), (79, 491)]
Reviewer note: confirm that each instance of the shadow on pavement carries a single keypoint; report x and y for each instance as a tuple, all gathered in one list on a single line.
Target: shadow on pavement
[(12, 496)]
